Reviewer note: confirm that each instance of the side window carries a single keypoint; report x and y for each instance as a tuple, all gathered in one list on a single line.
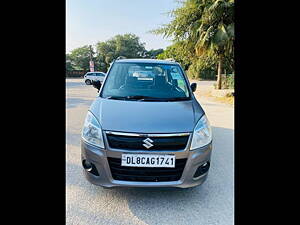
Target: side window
[(177, 75)]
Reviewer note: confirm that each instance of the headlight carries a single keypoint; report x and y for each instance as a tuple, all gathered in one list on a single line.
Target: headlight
[(91, 131), (202, 133)]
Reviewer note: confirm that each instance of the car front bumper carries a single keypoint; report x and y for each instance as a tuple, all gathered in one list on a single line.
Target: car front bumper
[(98, 157)]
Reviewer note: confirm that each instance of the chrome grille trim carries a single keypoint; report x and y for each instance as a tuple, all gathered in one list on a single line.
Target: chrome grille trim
[(147, 135)]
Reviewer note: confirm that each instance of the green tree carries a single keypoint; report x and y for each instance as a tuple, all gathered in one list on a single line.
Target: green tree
[(216, 33), (208, 26), (179, 52), (127, 45), (80, 58), (69, 65), (153, 53)]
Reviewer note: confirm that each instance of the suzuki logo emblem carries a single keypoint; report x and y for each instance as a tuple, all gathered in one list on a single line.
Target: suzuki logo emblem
[(148, 142)]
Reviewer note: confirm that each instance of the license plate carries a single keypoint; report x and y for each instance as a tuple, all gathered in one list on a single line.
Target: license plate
[(147, 160)]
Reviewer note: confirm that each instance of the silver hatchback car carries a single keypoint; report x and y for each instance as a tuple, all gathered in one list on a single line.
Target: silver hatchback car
[(146, 128)]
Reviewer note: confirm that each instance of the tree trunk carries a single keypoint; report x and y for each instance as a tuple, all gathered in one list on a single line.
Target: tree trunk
[(219, 80)]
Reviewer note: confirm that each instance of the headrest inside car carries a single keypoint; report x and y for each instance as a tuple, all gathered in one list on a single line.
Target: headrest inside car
[(138, 82)]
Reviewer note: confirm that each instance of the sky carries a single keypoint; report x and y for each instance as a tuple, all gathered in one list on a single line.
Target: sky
[(91, 21)]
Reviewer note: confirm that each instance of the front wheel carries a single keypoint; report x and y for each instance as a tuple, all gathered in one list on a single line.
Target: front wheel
[(88, 82)]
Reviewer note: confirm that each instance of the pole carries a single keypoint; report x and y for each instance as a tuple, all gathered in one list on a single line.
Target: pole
[(91, 53), (91, 60)]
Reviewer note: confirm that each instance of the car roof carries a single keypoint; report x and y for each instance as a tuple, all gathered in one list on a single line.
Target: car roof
[(95, 72), (158, 61)]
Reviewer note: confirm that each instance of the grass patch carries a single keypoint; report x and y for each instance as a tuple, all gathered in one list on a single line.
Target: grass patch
[(225, 99)]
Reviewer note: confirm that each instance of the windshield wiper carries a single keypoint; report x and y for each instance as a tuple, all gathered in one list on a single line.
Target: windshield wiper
[(178, 99), (146, 98), (143, 98), (134, 97), (137, 97), (116, 97)]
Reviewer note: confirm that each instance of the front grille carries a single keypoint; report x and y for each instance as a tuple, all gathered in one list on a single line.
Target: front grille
[(145, 174), (136, 143)]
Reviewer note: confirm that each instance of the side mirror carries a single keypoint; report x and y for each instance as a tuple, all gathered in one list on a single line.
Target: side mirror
[(193, 87), (97, 84)]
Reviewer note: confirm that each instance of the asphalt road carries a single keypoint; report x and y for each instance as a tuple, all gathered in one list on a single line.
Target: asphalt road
[(209, 204)]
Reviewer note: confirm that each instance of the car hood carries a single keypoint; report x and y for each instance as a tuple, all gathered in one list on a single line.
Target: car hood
[(146, 117)]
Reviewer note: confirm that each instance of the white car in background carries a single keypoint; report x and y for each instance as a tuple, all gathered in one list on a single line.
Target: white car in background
[(93, 76)]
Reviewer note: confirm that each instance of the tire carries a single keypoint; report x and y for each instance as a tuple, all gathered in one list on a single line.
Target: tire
[(88, 82)]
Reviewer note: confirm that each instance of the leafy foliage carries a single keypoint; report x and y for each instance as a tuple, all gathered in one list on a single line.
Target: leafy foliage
[(69, 65), (153, 53), (216, 32), (207, 26), (127, 45), (228, 81), (79, 58), (179, 52)]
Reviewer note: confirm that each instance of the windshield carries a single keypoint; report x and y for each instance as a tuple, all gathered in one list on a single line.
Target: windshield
[(147, 81)]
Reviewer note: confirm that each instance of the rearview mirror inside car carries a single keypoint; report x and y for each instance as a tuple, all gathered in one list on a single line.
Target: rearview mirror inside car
[(193, 87)]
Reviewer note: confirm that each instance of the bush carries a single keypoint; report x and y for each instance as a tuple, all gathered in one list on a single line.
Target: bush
[(197, 71), (228, 81), (193, 71), (75, 73)]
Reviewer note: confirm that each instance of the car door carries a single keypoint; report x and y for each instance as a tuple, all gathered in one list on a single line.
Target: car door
[(101, 76), (93, 76), (89, 76), (98, 76)]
